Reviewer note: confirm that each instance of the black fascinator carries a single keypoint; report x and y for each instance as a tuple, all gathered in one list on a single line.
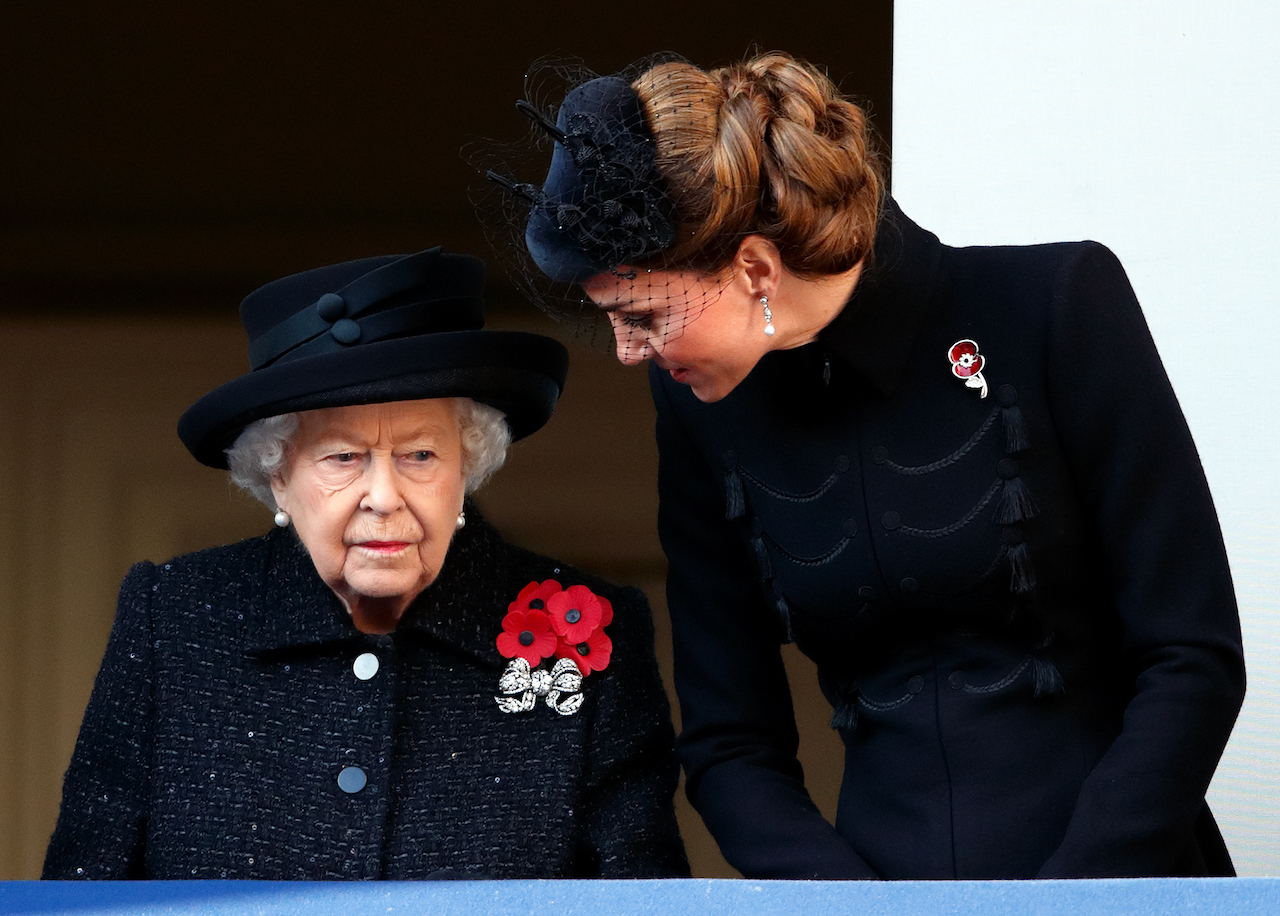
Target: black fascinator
[(603, 203)]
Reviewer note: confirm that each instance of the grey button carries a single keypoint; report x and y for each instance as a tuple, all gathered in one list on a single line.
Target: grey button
[(351, 780), (956, 680), (365, 665), (915, 685)]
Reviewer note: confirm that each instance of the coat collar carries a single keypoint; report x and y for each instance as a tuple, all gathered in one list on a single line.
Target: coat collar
[(463, 608), (890, 304)]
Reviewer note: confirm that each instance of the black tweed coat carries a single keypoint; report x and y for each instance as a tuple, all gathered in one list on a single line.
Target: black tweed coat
[(227, 705), (1019, 604)]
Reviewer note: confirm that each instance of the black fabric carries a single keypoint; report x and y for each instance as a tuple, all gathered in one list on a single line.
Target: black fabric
[(226, 707), (1019, 605)]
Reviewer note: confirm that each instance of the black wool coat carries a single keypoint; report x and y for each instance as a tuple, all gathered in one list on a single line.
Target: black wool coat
[(1019, 603), (228, 704)]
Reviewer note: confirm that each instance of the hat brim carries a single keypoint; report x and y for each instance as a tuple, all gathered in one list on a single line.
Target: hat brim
[(519, 373)]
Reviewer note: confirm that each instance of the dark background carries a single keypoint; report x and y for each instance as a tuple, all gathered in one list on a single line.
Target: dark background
[(157, 162)]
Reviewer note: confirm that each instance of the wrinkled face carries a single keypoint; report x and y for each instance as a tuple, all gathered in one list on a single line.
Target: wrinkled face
[(706, 332), (374, 492)]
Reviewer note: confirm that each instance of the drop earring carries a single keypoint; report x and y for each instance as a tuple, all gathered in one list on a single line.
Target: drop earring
[(768, 316), (282, 519), (461, 522)]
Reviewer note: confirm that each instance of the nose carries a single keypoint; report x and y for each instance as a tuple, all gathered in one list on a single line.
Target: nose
[(632, 343), (383, 495)]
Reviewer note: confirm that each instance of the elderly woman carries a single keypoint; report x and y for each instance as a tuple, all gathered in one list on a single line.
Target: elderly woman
[(381, 687), (958, 479)]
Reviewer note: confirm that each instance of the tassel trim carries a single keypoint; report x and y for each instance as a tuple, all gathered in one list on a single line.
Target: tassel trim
[(1016, 503), (734, 502), (1015, 430), (1022, 573), (1048, 679)]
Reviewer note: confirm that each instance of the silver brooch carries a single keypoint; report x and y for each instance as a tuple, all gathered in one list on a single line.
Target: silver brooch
[(561, 687)]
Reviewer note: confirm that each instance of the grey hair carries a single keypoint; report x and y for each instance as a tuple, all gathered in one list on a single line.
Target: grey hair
[(260, 451)]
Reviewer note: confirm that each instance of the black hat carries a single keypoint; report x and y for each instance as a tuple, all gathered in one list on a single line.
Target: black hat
[(380, 329), (604, 202)]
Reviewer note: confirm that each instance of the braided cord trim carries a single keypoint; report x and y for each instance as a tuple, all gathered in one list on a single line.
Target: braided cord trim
[(957, 525), (950, 459)]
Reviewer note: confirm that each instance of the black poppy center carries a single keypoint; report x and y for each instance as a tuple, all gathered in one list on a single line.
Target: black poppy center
[(573, 615), (536, 604), (526, 638), (584, 649)]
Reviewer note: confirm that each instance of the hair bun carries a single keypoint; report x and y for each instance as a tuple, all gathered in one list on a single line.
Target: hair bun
[(766, 146)]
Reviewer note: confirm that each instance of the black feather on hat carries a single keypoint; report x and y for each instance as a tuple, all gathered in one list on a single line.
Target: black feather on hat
[(380, 329)]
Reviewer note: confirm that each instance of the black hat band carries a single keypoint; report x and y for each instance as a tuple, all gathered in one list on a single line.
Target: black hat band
[(330, 323)]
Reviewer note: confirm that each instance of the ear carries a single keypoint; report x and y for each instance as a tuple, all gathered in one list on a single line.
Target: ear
[(279, 490), (759, 262)]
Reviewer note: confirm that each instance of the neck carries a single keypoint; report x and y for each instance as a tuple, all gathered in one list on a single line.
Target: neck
[(376, 616), (806, 306)]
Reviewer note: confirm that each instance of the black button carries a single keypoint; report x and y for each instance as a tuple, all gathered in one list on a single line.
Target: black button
[(1012, 535), (850, 527), (915, 685), (1006, 395), (730, 458), (1007, 468), (891, 520), (879, 454), (866, 593), (909, 584), (956, 680), (331, 307), (842, 463), (345, 331)]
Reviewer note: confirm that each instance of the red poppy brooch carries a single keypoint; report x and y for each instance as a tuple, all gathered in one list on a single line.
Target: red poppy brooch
[(967, 363), (559, 627)]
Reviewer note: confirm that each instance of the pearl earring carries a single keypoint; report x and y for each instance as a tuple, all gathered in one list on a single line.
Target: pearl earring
[(462, 521), (768, 316), (282, 519)]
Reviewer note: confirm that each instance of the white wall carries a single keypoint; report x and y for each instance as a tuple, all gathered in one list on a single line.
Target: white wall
[(1153, 127)]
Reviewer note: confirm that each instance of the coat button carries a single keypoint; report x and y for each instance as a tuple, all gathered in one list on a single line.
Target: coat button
[(909, 584), (842, 464), (956, 680), (365, 665), (879, 454), (891, 521), (351, 780), (1006, 395), (730, 458), (915, 685), (1007, 468), (1012, 535), (866, 593), (850, 527)]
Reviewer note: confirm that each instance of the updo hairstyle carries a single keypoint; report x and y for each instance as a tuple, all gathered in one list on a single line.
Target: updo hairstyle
[(767, 146)]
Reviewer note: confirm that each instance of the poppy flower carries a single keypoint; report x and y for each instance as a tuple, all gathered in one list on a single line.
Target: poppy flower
[(967, 364), (575, 613), (533, 597), (965, 358), (527, 634), (592, 654)]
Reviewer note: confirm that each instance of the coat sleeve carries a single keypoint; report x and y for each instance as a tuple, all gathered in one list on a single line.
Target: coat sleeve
[(632, 772), (1139, 477), (101, 829), (738, 737)]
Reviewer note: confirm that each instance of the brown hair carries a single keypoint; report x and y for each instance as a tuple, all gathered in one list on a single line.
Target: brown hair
[(766, 146)]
